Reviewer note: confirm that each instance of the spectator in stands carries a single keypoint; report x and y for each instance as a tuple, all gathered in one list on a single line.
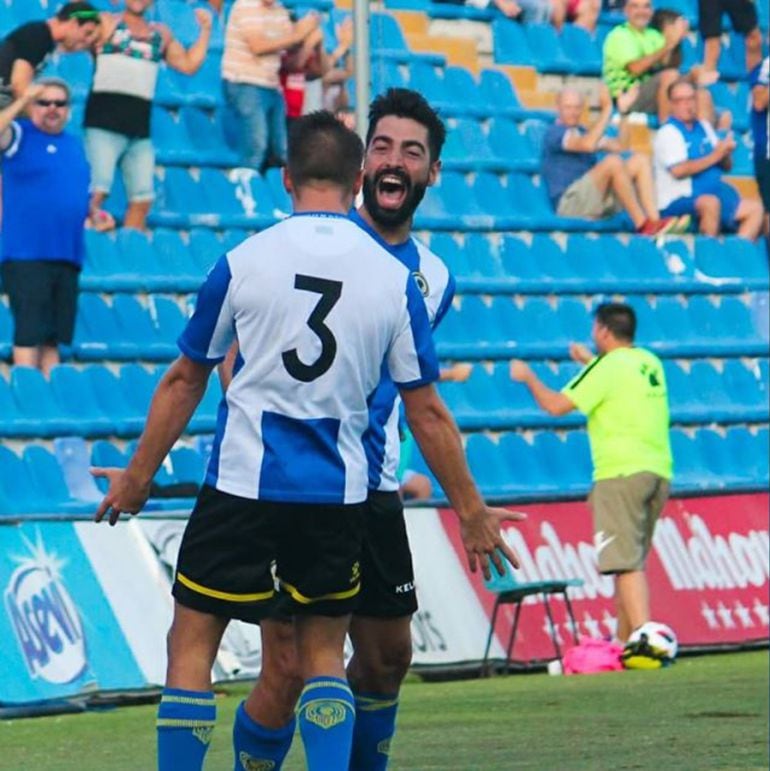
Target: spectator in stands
[(743, 18), (258, 32), (534, 11), (24, 50), (689, 161), (335, 94), (759, 80), (637, 55), (45, 205), (580, 184), (301, 67), (584, 13), (128, 55), (623, 393)]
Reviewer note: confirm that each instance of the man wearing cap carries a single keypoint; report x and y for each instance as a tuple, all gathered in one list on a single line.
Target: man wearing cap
[(24, 51)]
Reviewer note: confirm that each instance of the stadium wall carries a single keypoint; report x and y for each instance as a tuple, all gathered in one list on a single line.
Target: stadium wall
[(86, 608)]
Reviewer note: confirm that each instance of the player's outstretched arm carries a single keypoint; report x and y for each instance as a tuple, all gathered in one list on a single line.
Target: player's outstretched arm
[(173, 403), (437, 435)]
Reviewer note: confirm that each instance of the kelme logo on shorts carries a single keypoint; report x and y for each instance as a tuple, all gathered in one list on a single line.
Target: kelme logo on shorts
[(248, 763), (326, 713)]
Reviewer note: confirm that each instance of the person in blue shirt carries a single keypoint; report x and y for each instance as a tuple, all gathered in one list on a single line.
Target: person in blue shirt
[(759, 82), (45, 206), (690, 160)]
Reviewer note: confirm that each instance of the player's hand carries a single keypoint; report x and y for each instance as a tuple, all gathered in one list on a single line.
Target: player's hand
[(580, 353), (520, 371), (203, 17), (484, 542), (625, 100), (32, 92), (101, 221), (125, 494)]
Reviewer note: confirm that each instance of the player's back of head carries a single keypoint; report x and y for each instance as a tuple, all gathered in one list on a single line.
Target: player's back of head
[(323, 150)]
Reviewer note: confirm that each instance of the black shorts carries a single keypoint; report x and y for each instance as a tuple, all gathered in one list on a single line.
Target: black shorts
[(231, 546), (387, 588), (43, 295), (762, 173), (742, 13)]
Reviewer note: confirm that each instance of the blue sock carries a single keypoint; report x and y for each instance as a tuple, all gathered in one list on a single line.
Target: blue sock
[(185, 723), (254, 744), (326, 715), (375, 726)]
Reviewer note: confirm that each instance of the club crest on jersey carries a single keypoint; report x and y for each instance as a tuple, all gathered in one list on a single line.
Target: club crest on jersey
[(326, 713), (44, 617), (248, 763), (422, 283)]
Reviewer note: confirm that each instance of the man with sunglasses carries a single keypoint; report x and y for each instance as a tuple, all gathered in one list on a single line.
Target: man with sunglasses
[(45, 205), (25, 50)]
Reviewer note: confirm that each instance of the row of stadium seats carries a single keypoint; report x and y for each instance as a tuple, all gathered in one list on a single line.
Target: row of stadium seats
[(537, 328), (170, 261), (547, 465), (476, 328), (97, 401)]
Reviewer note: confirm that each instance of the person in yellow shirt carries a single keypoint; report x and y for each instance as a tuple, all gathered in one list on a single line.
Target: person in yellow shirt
[(622, 391)]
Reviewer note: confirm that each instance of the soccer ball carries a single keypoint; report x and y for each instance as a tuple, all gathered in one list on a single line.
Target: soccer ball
[(652, 646)]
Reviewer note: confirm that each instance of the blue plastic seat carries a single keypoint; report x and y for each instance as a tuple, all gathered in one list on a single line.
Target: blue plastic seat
[(517, 405), (76, 69), (12, 421), (179, 201), (47, 478), (204, 420), (140, 267), (138, 325), (510, 43), (204, 88), (484, 261), (467, 331), (111, 400), (531, 331), (137, 385), (18, 493), (234, 200), (585, 256), (104, 454), (498, 91), (75, 398), (547, 52), (176, 269), (581, 49), (171, 139), (187, 465), (424, 78), (103, 267), (386, 74), (457, 80), (487, 465), (493, 196), (73, 456), (282, 204), (735, 261), (169, 318), (745, 389), (35, 400), (506, 141), (522, 264), (205, 248), (171, 90), (208, 142), (689, 471), (386, 38), (554, 454)]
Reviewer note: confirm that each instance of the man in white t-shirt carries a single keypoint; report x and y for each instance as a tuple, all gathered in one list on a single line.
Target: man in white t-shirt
[(317, 308), (689, 161)]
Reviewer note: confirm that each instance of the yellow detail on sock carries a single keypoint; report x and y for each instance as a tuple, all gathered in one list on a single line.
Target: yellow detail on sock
[(203, 735), (384, 747), (326, 713), (172, 722), (249, 763), (169, 698), (372, 705)]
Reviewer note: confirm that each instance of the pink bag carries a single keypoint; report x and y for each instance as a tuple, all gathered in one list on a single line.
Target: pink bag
[(593, 656)]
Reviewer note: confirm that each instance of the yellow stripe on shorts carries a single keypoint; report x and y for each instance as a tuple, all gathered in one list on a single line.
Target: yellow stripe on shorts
[(217, 595), (299, 597)]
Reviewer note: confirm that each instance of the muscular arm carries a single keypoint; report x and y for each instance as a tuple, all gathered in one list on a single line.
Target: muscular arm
[(22, 75), (12, 111), (189, 61), (553, 402), (639, 67)]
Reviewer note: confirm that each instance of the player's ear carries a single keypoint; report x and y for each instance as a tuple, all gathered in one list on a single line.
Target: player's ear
[(358, 183), (287, 180), (435, 170)]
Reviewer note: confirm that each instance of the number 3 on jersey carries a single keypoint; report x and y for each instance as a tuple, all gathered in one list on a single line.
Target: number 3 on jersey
[(330, 292)]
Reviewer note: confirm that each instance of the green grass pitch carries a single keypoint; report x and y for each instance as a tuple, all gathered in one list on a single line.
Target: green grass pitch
[(704, 712)]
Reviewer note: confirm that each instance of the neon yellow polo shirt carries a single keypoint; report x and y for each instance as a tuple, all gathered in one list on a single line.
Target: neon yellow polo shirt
[(623, 394), (626, 44)]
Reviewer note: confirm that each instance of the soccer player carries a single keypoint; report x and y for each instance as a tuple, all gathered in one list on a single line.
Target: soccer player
[(623, 393), (317, 308), (404, 143)]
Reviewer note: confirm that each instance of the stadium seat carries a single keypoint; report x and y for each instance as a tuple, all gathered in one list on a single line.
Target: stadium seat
[(35, 400), (497, 90), (76, 399), (506, 141), (175, 263), (126, 416), (51, 489), (458, 80), (73, 456), (690, 473), (19, 494), (488, 466), (138, 325), (581, 50), (510, 43), (546, 49), (732, 263), (208, 143)]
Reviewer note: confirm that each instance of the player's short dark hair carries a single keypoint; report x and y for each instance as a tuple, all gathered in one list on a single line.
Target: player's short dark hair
[(619, 318), (323, 149), (82, 12), (405, 103)]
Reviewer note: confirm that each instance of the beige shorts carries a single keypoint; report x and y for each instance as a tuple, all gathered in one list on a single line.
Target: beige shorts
[(583, 199), (625, 510), (647, 100)]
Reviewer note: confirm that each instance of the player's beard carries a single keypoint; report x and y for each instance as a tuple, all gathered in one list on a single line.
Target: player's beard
[(390, 218)]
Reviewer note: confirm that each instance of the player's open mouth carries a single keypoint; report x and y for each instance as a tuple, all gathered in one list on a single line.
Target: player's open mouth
[(392, 190)]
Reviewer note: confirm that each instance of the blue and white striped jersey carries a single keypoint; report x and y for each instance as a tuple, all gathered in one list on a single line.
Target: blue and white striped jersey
[(437, 285), (318, 309)]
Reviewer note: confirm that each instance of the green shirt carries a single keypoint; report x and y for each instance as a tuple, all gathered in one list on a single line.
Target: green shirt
[(623, 394), (626, 44)]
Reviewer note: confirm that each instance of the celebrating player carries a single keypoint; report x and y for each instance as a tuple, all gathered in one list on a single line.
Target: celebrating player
[(318, 309)]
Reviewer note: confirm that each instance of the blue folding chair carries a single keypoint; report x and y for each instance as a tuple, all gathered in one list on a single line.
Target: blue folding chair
[(509, 590)]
